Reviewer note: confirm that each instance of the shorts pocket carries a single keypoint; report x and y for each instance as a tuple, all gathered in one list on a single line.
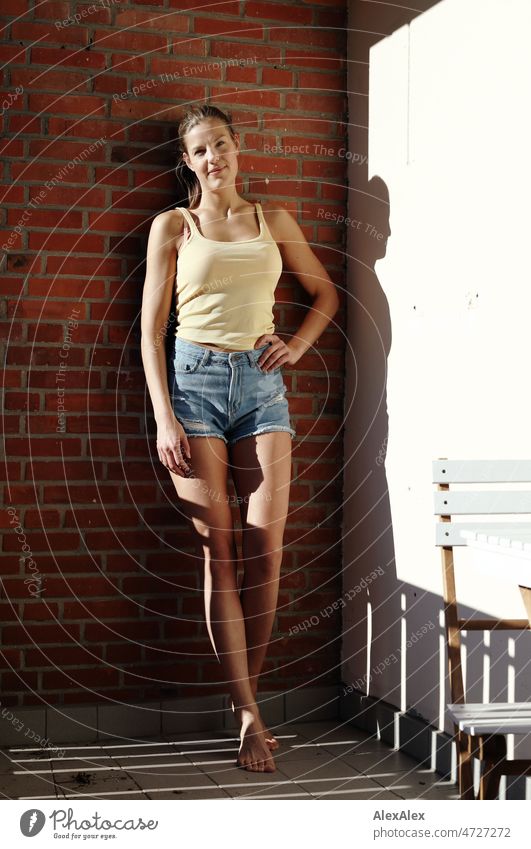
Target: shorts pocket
[(276, 370), (186, 363)]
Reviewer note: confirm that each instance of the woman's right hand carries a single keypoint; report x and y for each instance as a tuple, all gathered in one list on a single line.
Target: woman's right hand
[(173, 445)]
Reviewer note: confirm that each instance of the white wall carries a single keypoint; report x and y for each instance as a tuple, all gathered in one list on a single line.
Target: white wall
[(449, 135)]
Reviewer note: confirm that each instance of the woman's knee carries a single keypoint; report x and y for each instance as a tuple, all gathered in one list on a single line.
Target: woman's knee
[(220, 556), (266, 563)]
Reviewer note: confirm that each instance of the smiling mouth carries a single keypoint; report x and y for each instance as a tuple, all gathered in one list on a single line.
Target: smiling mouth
[(216, 170)]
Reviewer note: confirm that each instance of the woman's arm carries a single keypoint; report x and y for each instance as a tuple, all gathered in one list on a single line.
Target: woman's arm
[(161, 265), (298, 257)]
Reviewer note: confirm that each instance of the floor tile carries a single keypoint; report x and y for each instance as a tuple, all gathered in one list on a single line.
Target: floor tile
[(298, 752), (6, 764), (98, 763), (328, 728), (370, 758), (148, 760), (164, 778), (94, 784), (22, 784), (215, 793), (360, 786), (410, 786), (302, 771), (269, 792)]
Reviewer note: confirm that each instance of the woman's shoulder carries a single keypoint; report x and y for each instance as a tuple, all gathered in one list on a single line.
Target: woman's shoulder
[(276, 217), (171, 221)]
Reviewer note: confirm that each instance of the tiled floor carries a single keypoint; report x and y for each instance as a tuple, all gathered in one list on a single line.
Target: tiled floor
[(316, 760)]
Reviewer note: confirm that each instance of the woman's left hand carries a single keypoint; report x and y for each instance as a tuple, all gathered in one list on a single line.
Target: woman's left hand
[(278, 353)]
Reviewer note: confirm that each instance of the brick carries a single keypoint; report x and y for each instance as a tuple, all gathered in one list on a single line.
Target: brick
[(321, 2), (186, 46), (124, 63), (241, 75), (22, 401), (19, 635), (12, 148), (268, 165), (152, 110), (323, 168), (243, 50), (129, 39), (184, 69), (277, 78), (228, 27), (15, 7), (279, 12), (230, 8), (93, 13), (312, 36), (52, 57), (261, 98), (322, 103), (314, 59), (139, 20), (322, 81), (53, 656), (66, 243), (272, 188), (303, 124), (44, 33), (95, 679)]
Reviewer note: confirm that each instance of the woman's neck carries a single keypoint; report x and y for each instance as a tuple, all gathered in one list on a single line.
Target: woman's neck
[(221, 204)]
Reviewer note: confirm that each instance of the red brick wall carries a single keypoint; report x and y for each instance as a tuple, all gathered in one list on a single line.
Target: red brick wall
[(100, 591)]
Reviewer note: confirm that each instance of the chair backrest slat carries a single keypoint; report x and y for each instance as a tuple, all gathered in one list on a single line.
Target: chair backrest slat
[(449, 533), (487, 502), (481, 471)]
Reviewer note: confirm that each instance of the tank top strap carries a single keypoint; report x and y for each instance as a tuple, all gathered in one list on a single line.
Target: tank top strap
[(261, 216), (189, 219)]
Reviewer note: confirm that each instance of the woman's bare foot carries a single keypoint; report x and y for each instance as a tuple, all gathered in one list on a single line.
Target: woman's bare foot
[(271, 741), (253, 754)]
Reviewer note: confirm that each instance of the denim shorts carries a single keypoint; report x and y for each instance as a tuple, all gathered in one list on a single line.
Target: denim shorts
[(226, 393)]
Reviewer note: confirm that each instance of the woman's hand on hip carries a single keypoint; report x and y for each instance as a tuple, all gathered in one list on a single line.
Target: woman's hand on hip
[(278, 353)]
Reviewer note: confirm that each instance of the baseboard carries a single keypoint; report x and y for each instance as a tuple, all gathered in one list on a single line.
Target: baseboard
[(51, 727)]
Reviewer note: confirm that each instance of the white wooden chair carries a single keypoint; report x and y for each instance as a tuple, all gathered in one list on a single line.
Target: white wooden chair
[(479, 729)]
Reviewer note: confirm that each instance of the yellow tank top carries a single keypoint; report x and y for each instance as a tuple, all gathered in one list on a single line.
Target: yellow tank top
[(225, 291)]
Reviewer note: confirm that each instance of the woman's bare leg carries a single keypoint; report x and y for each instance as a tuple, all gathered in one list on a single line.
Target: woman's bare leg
[(204, 501), (261, 469)]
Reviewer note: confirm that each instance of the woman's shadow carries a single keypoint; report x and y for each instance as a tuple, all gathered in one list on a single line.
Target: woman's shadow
[(372, 617)]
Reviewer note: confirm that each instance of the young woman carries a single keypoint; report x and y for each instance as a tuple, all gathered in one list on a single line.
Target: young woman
[(223, 382)]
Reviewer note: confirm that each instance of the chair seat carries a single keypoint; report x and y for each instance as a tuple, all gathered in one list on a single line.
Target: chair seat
[(496, 718)]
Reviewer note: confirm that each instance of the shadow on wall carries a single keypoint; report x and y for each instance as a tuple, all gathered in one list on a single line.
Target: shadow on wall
[(393, 634), (375, 622), (369, 542)]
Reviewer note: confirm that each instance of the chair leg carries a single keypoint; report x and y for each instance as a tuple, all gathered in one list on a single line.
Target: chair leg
[(492, 753), (489, 783), (465, 771)]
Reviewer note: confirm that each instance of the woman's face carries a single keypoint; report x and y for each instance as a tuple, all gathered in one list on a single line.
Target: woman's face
[(212, 154)]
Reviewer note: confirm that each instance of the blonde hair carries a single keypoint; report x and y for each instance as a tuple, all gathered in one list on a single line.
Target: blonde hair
[(193, 116)]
